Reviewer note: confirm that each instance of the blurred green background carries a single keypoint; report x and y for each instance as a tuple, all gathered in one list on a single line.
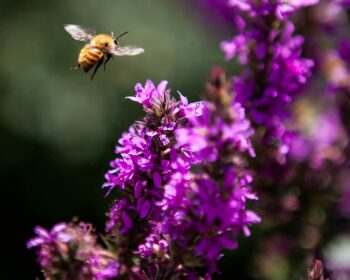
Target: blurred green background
[(58, 129)]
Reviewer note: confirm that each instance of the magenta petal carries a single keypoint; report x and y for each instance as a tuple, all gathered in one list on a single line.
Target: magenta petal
[(34, 242), (41, 232), (252, 217), (246, 231), (58, 228), (162, 86)]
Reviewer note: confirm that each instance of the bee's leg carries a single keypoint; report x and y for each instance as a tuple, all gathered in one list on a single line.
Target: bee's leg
[(108, 57), (98, 65)]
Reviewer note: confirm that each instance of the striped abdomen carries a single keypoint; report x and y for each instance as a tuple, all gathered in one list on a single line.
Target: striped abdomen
[(89, 56)]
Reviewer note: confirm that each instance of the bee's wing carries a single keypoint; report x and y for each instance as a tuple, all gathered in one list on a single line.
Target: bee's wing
[(79, 33), (127, 50)]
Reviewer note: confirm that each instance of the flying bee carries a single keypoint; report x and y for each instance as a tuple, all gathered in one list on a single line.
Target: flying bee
[(100, 48)]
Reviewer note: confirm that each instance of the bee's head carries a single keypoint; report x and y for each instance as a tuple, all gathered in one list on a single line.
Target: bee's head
[(116, 38)]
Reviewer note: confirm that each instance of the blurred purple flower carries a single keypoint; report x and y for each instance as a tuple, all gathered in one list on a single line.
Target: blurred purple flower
[(276, 71), (322, 137), (70, 251)]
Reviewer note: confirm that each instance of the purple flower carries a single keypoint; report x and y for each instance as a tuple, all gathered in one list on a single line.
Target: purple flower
[(70, 251), (57, 233), (149, 93)]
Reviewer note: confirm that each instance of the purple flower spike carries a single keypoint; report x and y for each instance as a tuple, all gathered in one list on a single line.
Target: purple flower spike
[(139, 148), (276, 71)]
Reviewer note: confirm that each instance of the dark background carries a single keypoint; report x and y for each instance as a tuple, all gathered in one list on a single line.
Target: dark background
[(58, 129)]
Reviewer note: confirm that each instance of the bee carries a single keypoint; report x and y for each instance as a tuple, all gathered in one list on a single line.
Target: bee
[(99, 49)]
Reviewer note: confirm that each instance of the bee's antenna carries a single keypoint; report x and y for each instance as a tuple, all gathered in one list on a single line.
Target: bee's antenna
[(121, 35)]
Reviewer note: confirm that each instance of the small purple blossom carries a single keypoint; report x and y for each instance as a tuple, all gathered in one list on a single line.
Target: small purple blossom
[(148, 94), (57, 233)]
